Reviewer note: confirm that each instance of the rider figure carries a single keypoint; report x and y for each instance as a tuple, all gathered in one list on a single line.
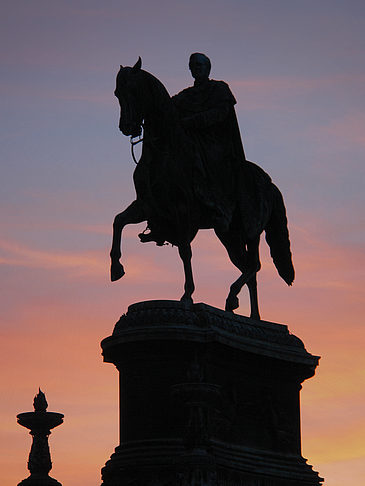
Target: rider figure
[(207, 114)]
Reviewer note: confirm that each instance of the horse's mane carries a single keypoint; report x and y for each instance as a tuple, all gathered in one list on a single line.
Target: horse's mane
[(161, 113), (154, 91)]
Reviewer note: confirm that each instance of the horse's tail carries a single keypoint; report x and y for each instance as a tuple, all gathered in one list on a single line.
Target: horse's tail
[(277, 237)]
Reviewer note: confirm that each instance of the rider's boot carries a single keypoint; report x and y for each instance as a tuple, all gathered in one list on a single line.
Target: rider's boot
[(151, 236)]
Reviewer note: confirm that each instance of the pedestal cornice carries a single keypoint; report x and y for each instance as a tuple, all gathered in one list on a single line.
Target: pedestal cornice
[(172, 320)]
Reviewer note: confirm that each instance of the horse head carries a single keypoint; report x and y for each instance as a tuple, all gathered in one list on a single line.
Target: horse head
[(128, 92), (143, 99)]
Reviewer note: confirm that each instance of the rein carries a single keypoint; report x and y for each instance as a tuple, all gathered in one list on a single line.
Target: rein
[(133, 143)]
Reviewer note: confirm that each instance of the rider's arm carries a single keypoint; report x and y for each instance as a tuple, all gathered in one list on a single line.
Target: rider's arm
[(208, 118)]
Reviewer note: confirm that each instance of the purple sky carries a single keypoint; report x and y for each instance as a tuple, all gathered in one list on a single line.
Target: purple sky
[(297, 71)]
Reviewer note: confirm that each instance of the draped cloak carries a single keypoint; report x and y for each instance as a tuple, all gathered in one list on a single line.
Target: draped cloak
[(204, 178), (207, 113)]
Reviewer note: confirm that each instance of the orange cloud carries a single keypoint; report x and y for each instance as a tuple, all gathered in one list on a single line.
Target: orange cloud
[(341, 472), (325, 448), (59, 342)]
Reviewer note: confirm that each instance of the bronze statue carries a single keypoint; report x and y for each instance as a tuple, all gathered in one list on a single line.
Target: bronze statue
[(193, 175)]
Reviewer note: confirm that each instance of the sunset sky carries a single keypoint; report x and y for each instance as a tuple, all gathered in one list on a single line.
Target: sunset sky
[(297, 71)]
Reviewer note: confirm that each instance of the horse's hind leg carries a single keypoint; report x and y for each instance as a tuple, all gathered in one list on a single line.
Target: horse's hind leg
[(252, 288), (189, 287), (248, 277), (132, 215), (246, 258)]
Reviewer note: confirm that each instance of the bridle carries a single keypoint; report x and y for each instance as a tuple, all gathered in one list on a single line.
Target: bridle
[(135, 142)]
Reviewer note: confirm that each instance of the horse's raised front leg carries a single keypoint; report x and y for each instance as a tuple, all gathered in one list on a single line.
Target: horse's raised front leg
[(189, 287), (132, 215)]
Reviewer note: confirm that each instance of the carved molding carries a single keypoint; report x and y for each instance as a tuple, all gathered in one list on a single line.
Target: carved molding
[(156, 313), (156, 319), (164, 462)]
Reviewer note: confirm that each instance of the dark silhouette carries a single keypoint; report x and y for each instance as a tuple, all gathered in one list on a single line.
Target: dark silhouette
[(40, 422), (193, 175)]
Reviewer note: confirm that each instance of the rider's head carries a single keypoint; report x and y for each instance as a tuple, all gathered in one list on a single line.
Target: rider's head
[(199, 65)]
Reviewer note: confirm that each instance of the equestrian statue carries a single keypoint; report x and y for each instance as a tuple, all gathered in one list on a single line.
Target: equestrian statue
[(193, 174)]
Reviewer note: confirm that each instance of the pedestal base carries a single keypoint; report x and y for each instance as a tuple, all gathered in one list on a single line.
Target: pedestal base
[(207, 398)]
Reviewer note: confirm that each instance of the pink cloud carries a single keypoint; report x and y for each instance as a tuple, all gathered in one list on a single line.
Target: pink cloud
[(349, 129), (88, 262), (139, 265), (268, 92), (47, 93)]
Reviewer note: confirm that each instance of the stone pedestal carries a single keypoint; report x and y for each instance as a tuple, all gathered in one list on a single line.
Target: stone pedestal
[(207, 398)]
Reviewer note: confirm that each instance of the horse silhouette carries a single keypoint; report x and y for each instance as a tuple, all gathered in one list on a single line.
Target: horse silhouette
[(166, 199)]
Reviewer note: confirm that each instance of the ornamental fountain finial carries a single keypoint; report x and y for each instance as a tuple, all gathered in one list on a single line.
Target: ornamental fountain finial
[(40, 403), (40, 422)]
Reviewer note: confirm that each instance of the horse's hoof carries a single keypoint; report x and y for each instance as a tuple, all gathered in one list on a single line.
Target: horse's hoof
[(188, 301), (232, 303), (116, 271)]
